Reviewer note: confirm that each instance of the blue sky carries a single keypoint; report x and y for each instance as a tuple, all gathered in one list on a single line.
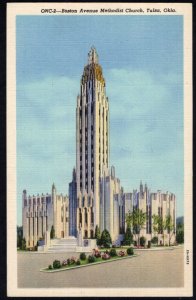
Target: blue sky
[(142, 60)]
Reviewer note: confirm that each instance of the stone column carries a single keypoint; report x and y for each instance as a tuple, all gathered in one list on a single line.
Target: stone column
[(35, 228)]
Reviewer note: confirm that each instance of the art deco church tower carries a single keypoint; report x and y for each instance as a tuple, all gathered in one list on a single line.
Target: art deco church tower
[(92, 145)]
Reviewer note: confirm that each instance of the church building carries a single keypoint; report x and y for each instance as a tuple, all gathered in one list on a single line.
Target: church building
[(96, 197)]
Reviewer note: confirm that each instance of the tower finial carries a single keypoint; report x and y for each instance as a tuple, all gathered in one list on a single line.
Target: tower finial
[(93, 56), (141, 187)]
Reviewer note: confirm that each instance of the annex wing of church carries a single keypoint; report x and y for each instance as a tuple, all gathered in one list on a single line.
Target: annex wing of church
[(96, 197)]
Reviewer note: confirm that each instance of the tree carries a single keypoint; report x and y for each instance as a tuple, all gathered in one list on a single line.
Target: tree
[(128, 240), (19, 236), (160, 225), (136, 220), (23, 245), (180, 233), (105, 238), (97, 235), (157, 225), (52, 232), (154, 240), (169, 226)]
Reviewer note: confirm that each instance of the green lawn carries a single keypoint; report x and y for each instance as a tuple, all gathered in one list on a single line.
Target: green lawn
[(117, 249)]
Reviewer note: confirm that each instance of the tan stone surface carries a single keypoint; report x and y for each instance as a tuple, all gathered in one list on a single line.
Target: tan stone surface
[(150, 269)]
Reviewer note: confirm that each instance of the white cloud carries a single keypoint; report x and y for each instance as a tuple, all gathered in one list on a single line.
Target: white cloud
[(145, 130)]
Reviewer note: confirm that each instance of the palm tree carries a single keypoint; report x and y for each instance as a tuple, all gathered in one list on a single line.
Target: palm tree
[(155, 225), (169, 226), (159, 225), (136, 220)]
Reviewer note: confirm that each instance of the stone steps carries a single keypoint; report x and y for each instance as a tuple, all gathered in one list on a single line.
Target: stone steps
[(68, 244)]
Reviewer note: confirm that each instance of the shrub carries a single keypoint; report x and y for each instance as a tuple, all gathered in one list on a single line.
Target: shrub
[(56, 264), (64, 263), (180, 233), (149, 244), (73, 260), (82, 256), (121, 253), (50, 267), (154, 240), (142, 241), (106, 238), (128, 240), (180, 237), (68, 261), (113, 252), (78, 262), (105, 256), (91, 259), (96, 253), (130, 251)]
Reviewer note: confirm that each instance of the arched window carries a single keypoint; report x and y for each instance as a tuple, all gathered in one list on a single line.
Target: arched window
[(86, 234), (92, 235), (83, 202), (85, 215), (92, 216), (48, 200), (80, 216), (62, 214)]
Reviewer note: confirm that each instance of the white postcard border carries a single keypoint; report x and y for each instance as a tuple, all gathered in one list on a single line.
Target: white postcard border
[(14, 9)]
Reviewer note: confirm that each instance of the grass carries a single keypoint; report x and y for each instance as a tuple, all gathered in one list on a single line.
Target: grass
[(117, 248), (85, 262)]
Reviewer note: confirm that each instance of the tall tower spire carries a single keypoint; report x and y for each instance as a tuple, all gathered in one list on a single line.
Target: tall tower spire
[(92, 144), (93, 56)]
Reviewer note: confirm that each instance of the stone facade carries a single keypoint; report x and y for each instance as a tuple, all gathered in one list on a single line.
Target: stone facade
[(92, 146), (158, 203), (40, 212)]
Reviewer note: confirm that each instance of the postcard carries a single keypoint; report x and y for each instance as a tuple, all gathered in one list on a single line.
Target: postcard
[(99, 149)]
